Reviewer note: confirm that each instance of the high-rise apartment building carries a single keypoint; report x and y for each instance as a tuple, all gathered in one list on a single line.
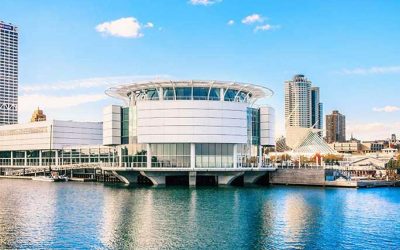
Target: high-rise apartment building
[(335, 127), (302, 103), (8, 74)]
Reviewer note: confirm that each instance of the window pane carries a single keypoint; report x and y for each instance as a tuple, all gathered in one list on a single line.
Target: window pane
[(230, 95), (224, 149), (160, 150), (186, 149), (168, 93), (179, 149), (173, 149), (183, 93), (214, 94), (200, 93), (211, 149), (204, 149), (198, 149), (152, 94)]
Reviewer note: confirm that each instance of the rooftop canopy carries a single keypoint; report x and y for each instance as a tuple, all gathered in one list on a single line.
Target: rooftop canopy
[(190, 90)]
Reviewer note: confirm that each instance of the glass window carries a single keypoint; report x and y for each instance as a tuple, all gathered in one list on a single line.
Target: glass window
[(179, 149), (230, 95), (214, 94), (152, 94), (183, 93), (169, 94), (200, 93), (186, 149), (242, 96), (172, 149)]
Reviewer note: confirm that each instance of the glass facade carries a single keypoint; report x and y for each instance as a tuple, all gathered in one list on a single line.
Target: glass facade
[(214, 155), (134, 155), (192, 93), (125, 125), (253, 126), (128, 125), (170, 155)]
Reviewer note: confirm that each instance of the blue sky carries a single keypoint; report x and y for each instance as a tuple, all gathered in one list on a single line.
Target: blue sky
[(71, 51)]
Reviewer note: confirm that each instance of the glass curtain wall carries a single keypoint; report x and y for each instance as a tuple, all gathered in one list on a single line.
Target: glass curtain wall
[(134, 155), (172, 155), (214, 155)]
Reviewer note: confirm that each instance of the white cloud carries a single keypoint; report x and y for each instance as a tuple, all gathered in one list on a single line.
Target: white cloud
[(149, 25), (387, 109), (204, 2), (372, 131), (28, 102), (254, 18), (127, 27), (263, 27), (231, 22), (60, 99), (88, 83), (372, 70)]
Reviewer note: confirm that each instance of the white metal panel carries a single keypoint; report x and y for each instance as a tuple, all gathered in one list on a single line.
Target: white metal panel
[(191, 121), (267, 130)]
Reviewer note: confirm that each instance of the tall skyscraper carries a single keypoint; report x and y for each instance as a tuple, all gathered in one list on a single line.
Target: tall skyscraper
[(335, 127), (302, 103), (316, 109), (8, 74)]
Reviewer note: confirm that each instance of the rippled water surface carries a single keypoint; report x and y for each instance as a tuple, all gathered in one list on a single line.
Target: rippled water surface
[(90, 215)]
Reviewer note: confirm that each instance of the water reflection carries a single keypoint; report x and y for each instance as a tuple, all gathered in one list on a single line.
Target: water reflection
[(81, 215)]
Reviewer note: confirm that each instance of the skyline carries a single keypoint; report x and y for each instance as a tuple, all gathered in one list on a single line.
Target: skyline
[(83, 48)]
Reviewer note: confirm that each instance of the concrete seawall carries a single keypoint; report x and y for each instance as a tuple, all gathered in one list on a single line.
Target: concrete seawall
[(298, 177)]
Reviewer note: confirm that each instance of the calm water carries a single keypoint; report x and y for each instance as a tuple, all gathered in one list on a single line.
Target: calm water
[(82, 215)]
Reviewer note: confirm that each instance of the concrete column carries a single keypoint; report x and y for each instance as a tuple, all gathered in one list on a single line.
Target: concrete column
[(148, 155), (25, 158), (40, 157), (221, 94), (192, 156), (235, 155), (161, 94), (57, 159), (260, 155), (192, 178), (119, 157), (12, 159)]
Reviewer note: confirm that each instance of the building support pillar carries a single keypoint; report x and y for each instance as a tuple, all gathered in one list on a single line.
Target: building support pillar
[(58, 160), (12, 159), (235, 156), (228, 178), (192, 156), (158, 179), (119, 155), (148, 149), (25, 158), (260, 156), (40, 157), (192, 178)]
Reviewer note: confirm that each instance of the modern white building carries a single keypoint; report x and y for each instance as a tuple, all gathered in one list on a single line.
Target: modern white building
[(194, 124), (164, 129), (8, 74), (37, 143)]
